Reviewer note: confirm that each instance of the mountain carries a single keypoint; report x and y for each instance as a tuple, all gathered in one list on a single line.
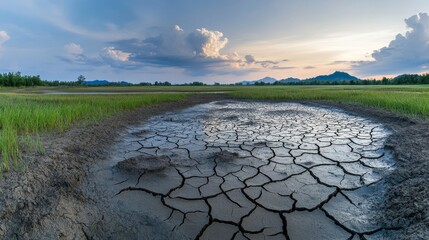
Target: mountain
[(334, 77), (266, 80), (96, 82), (104, 83), (290, 80)]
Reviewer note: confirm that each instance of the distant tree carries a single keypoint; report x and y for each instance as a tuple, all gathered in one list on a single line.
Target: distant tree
[(197, 84), (80, 79), (385, 81), (145, 84)]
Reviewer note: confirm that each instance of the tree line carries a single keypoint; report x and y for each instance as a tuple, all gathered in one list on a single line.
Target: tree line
[(18, 80)]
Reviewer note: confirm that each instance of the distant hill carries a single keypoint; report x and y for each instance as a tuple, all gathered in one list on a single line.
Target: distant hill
[(96, 82), (266, 80), (104, 83), (290, 80), (334, 77)]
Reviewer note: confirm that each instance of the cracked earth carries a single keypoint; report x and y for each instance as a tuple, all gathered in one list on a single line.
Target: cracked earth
[(252, 170)]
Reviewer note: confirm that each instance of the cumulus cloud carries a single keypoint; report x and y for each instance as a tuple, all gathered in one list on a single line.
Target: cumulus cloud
[(4, 37), (199, 52), (406, 53), (207, 43)]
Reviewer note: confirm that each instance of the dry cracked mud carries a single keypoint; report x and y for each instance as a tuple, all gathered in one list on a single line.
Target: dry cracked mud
[(252, 170)]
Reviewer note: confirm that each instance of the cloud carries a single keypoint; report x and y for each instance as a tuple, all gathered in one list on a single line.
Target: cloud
[(282, 68), (73, 49), (178, 28), (4, 37), (309, 67), (116, 54), (107, 56), (271, 63), (338, 63), (207, 43), (74, 54), (199, 52), (250, 59), (409, 53)]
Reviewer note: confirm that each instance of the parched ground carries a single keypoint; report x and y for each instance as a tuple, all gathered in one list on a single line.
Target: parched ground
[(257, 170), (407, 197), (53, 198)]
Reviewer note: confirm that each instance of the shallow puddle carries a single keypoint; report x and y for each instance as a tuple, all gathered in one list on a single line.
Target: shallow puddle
[(252, 170)]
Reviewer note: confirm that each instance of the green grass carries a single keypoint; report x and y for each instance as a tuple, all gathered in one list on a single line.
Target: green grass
[(406, 100), (125, 89), (24, 115)]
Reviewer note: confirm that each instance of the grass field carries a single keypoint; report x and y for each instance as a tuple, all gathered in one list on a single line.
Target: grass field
[(406, 100), (412, 100), (24, 117), (124, 89)]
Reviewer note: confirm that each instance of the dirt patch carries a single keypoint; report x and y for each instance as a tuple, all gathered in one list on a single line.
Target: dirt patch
[(50, 200)]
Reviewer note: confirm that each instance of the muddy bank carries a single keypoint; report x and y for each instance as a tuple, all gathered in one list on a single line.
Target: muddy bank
[(53, 199)]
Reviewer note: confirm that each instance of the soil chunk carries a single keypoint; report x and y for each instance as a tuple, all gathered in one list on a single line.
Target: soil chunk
[(144, 163)]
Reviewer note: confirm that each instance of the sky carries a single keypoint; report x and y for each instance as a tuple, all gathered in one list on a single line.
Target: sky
[(221, 41)]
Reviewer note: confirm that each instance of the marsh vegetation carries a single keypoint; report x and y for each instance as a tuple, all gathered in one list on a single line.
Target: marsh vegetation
[(26, 116), (23, 117)]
